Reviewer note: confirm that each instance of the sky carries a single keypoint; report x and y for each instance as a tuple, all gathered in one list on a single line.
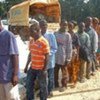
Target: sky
[(85, 1), (1, 0)]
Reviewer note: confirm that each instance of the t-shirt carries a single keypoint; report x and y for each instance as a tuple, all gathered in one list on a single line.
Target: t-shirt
[(38, 50), (8, 47)]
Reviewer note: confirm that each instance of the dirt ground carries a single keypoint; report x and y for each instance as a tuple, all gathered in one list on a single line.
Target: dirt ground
[(90, 90)]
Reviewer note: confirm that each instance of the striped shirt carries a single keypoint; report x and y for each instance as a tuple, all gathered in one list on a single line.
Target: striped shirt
[(38, 50)]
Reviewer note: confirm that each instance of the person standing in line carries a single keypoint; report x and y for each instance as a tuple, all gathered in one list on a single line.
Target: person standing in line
[(75, 25), (38, 56), (96, 26), (93, 41), (49, 35), (63, 54), (84, 40), (73, 67), (8, 64)]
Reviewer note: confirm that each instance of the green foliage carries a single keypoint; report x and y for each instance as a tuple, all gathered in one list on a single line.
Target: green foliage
[(6, 5), (78, 9), (70, 9), (11, 3)]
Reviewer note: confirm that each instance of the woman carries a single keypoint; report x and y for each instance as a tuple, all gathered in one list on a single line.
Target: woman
[(96, 26), (74, 65)]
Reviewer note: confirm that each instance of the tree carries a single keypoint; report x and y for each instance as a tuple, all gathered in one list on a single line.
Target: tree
[(6, 5), (1, 9), (71, 9), (79, 9), (11, 3)]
